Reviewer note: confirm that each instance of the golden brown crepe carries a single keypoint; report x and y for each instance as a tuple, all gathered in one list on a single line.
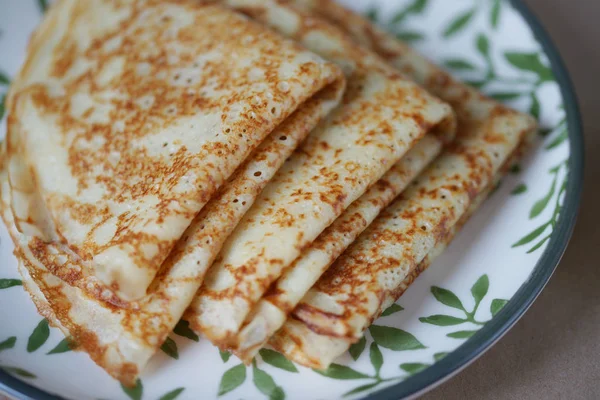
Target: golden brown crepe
[(282, 297), (382, 116), (388, 255), (300, 342), (145, 108), (309, 348), (258, 89)]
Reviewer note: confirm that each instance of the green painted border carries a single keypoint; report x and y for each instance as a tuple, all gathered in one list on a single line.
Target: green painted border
[(521, 301)]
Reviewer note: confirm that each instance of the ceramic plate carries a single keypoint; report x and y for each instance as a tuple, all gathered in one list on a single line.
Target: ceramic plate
[(454, 311)]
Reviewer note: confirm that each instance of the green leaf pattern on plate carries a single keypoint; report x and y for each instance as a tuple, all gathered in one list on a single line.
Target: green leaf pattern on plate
[(495, 13), (265, 384), (2, 103), (64, 346), (388, 337), (136, 392), (19, 372), (8, 283), (4, 82), (39, 336), (459, 64), (263, 381), (172, 395), (479, 291), (169, 347), (357, 348), (232, 378), (8, 343), (394, 308), (521, 188), (277, 360), (497, 305), (533, 72), (338, 371), (552, 198), (43, 5), (394, 338), (362, 388), (183, 329), (413, 368), (443, 320), (376, 358), (459, 23), (462, 334), (224, 355), (341, 372), (4, 79), (447, 298), (396, 24)]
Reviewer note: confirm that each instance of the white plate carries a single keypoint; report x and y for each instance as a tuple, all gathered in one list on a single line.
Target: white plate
[(506, 253)]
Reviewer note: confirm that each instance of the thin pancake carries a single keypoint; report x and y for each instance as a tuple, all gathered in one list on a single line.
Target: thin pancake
[(372, 271), (126, 338), (302, 345), (283, 296), (298, 342), (382, 116), (122, 340), (145, 108), (343, 300)]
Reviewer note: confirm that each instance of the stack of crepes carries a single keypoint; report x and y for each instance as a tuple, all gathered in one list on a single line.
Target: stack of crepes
[(246, 164)]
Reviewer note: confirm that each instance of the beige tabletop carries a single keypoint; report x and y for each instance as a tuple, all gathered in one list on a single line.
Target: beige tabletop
[(554, 351)]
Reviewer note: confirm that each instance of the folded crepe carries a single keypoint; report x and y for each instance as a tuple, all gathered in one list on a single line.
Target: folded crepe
[(391, 252), (272, 310), (377, 268), (300, 342), (145, 108), (270, 313), (309, 348), (296, 87), (382, 116)]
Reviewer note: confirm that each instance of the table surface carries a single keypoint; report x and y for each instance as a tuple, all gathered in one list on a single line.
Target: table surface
[(554, 351)]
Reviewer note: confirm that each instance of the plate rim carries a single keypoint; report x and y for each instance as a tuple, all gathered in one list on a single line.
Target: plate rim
[(495, 329)]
